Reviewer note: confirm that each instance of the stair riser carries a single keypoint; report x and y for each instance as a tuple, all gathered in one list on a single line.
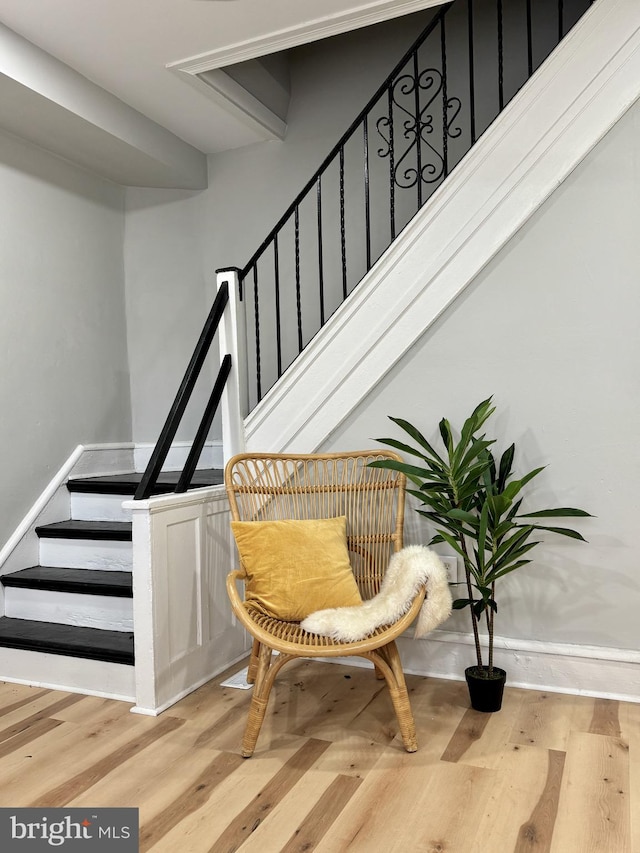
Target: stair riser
[(86, 554), (94, 507), (70, 608), (63, 672)]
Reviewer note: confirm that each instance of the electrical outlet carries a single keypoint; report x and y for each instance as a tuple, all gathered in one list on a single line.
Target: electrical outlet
[(451, 565)]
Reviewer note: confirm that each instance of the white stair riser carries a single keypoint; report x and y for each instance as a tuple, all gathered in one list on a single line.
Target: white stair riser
[(94, 507), (86, 554), (63, 672), (110, 613)]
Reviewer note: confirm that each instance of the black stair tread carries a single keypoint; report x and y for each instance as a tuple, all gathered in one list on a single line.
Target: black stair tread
[(119, 531), (51, 637), (87, 581), (126, 484)]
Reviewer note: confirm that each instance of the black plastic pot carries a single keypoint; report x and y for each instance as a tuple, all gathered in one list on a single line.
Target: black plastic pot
[(485, 693)]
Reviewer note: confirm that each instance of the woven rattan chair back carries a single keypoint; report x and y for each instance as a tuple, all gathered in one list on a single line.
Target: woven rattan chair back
[(265, 487), (269, 487)]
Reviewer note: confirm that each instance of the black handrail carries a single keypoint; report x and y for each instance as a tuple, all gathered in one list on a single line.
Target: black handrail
[(163, 445), (428, 112)]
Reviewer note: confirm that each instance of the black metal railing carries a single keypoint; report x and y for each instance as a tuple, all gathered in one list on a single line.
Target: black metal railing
[(460, 73), (176, 413)]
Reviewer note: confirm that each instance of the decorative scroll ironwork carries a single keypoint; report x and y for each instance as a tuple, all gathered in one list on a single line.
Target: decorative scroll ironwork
[(417, 128)]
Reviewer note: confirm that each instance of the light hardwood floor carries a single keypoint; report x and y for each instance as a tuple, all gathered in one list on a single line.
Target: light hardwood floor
[(549, 772)]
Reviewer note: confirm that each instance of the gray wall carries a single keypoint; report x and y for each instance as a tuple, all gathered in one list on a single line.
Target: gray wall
[(166, 302), (550, 329), (64, 378)]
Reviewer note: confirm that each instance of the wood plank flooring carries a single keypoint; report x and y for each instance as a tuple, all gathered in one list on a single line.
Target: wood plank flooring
[(548, 774)]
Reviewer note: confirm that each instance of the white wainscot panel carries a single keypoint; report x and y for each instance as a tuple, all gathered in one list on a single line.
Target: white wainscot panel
[(185, 630)]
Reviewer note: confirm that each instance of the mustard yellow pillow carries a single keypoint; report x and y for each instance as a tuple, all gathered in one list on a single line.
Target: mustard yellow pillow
[(296, 567)]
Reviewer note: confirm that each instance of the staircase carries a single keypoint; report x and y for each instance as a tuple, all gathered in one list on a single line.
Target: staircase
[(78, 602)]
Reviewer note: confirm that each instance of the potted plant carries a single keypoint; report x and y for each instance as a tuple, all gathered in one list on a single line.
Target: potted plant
[(474, 502)]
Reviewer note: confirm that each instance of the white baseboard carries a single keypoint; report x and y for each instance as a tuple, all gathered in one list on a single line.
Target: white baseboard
[(557, 667), (99, 460), (154, 712), (211, 455)]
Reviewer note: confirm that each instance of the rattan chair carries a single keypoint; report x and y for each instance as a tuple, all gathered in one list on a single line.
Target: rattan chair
[(277, 486)]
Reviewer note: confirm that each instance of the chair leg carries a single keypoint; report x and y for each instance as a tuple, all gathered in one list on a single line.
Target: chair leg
[(379, 672), (253, 663), (265, 676), (388, 662)]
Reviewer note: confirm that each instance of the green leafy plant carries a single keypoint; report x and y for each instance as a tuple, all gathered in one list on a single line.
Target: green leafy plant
[(474, 502)]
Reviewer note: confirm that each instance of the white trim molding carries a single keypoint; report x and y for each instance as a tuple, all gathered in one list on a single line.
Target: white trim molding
[(557, 667), (204, 71), (102, 459), (211, 456), (52, 504), (237, 101), (365, 15), (566, 108)]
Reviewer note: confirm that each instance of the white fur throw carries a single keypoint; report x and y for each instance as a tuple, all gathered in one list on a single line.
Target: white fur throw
[(409, 569)]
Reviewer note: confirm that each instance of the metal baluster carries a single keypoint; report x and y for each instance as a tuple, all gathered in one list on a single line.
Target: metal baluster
[(367, 200), (560, 20), (298, 295), (320, 264), (343, 246), (416, 75), (472, 89), (191, 464), (276, 275), (529, 39), (445, 141), (181, 401), (500, 59), (256, 309), (392, 183)]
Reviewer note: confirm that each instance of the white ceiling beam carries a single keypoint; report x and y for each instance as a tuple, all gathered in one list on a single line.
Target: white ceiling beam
[(43, 98)]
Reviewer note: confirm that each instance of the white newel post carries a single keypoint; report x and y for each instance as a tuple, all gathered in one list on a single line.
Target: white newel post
[(232, 340)]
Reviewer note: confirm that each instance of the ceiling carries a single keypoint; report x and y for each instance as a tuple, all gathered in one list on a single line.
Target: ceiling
[(147, 53)]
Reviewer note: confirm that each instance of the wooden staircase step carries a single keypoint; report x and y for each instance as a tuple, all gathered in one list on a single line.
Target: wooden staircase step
[(115, 531), (126, 484), (54, 638), (86, 581)]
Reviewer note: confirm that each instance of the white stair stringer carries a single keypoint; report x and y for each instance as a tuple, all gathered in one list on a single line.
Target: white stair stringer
[(566, 108)]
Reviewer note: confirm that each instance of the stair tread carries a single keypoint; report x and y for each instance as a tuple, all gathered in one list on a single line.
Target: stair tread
[(86, 581), (51, 637), (126, 484), (110, 530)]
